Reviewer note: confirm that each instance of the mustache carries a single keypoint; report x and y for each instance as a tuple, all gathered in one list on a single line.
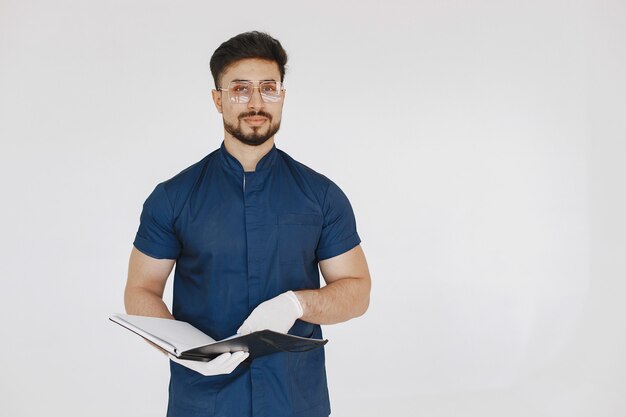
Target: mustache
[(255, 113)]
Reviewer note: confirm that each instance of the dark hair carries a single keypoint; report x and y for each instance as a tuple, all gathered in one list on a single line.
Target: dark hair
[(247, 45)]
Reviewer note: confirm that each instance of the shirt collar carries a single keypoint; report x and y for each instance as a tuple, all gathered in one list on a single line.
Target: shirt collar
[(230, 162)]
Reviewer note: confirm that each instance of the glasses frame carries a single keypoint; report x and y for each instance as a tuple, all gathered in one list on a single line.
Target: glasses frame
[(280, 85)]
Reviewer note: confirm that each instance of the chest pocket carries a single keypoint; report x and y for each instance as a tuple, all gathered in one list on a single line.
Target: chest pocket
[(298, 235)]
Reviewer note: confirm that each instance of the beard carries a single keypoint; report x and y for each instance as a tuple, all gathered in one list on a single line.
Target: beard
[(255, 138)]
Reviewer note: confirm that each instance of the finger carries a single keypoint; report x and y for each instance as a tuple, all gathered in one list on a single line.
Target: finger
[(237, 355), (219, 361), (235, 363), (235, 359)]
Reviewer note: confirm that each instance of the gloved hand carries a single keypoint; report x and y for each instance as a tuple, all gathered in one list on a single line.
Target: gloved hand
[(278, 314), (223, 364)]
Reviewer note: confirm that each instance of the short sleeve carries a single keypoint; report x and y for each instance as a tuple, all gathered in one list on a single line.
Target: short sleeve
[(156, 236), (339, 233)]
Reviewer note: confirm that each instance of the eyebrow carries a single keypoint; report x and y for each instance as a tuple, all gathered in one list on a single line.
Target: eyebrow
[(242, 80)]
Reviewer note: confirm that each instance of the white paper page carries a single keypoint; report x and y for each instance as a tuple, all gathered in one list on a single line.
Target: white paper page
[(172, 335)]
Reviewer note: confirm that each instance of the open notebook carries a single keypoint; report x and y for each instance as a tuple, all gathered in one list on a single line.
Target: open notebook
[(184, 341)]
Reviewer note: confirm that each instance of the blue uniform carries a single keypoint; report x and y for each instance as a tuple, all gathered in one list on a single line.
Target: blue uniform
[(240, 239)]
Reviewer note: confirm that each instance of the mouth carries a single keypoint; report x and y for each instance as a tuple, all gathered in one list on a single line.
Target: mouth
[(255, 120)]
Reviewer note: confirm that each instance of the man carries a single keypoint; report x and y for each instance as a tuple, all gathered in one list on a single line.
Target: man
[(247, 228)]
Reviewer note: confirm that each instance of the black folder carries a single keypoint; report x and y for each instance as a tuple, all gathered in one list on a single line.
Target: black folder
[(186, 342), (261, 343)]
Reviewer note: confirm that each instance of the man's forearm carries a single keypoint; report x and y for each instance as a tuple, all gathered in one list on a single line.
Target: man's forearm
[(141, 302), (337, 302)]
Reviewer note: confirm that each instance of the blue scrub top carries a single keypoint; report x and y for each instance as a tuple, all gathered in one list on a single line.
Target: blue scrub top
[(240, 239)]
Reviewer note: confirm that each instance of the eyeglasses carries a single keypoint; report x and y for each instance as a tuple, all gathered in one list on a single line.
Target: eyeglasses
[(240, 92)]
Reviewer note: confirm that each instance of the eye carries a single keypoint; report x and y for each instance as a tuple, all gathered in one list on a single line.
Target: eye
[(240, 88), (269, 88)]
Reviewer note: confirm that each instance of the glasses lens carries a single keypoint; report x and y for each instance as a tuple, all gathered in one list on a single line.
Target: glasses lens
[(270, 91), (240, 91)]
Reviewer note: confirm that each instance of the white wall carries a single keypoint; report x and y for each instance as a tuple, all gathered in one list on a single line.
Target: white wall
[(481, 144)]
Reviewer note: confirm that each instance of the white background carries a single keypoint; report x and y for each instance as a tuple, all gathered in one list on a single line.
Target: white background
[(482, 145)]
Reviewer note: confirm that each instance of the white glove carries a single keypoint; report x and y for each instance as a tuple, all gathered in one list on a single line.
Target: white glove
[(277, 314), (223, 364)]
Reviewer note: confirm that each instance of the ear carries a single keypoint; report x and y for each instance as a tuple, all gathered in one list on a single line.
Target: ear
[(217, 100)]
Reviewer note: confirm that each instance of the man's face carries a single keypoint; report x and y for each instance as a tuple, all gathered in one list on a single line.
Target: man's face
[(256, 121)]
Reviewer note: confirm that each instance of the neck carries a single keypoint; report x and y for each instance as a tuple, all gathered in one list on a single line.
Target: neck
[(248, 156)]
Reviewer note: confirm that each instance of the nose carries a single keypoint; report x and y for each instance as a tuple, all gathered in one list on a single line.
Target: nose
[(256, 101)]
